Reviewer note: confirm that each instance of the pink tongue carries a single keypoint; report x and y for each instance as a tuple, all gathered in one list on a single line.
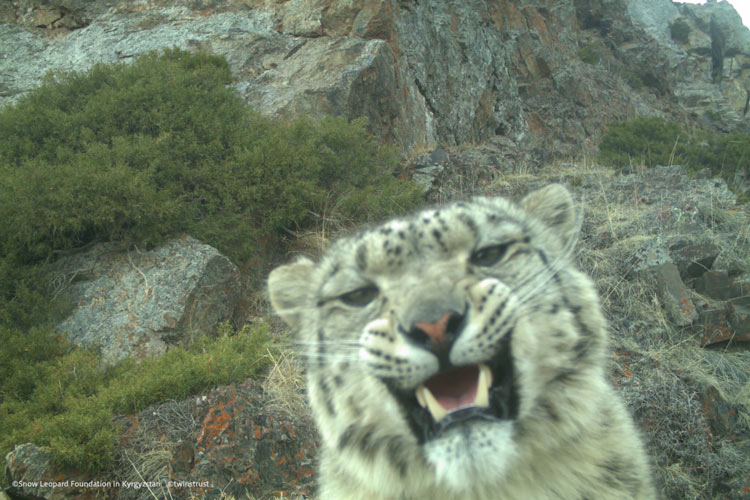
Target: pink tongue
[(455, 388)]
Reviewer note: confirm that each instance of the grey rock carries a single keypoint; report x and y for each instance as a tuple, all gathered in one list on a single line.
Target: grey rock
[(717, 97), (721, 415), (736, 35), (303, 18), (734, 263), (280, 73), (439, 157), (476, 101), (653, 17), (693, 259), (739, 318), (712, 325), (650, 256), (674, 295), (114, 37), (134, 303), (714, 284), (723, 321), (434, 160), (342, 76)]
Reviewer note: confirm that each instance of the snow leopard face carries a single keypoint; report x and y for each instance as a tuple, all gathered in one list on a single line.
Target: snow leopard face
[(447, 348)]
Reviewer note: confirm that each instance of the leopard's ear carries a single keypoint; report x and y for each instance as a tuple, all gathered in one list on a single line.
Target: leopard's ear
[(288, 290), (554, 207)]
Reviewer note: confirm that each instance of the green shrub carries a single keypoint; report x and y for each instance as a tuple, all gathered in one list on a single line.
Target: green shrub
[(61, 399), (724, 154), (181, 372), (712, 115), (655, 141), (643, 141), (680, 31), (20, 356), (26, 300), (633, 79), (591, 53), (139, 152)]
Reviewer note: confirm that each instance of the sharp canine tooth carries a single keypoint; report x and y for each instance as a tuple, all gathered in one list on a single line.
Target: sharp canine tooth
[(483, 386), (420, 395), (484, 371), (437, 411)]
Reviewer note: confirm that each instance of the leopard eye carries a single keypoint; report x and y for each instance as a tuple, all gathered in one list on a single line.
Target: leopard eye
[(360, 297), (489, 256)]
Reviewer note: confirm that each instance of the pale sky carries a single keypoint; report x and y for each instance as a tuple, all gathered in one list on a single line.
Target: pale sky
[(741, 6)]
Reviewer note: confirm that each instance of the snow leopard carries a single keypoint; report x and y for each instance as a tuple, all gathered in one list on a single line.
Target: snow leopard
[(458, 353)]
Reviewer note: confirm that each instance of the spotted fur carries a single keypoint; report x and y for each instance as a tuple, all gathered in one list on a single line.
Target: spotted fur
[(484, 282)]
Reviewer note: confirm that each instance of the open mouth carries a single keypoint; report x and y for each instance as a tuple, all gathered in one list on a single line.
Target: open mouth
[(458, 394), (454, 390)]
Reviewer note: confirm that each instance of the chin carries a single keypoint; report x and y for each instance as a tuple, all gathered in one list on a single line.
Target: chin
[(471, 454)]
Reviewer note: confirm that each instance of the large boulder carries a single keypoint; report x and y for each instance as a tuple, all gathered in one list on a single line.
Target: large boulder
[(138, 303)]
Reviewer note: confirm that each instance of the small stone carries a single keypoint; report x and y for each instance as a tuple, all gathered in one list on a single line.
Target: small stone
[(439, 157), (694, 259), (649, 257), (739, 319), (712, 325), (714, 284), (300, 19), (270, 62), (721, 416)]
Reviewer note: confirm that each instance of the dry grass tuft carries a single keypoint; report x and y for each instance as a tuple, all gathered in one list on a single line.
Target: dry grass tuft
[(284, 385)]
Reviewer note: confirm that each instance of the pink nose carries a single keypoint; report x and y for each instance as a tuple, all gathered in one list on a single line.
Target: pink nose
[(436, 330)]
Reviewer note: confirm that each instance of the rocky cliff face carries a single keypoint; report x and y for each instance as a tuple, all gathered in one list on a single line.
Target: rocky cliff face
[(545, 74)]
